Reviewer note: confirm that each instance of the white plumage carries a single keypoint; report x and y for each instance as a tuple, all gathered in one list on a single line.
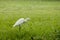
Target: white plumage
[(20, 21)]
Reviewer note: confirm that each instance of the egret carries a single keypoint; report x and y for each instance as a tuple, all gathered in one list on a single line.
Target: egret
[(20, 21)]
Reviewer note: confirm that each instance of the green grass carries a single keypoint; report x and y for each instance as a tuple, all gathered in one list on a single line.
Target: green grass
[(44, 21)]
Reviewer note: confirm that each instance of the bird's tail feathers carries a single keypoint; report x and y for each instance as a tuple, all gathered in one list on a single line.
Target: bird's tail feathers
[(13, 25)]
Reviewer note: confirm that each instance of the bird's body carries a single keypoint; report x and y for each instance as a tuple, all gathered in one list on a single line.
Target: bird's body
[(20, 21)]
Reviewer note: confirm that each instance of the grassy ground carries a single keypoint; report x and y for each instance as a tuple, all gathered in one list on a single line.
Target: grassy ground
[(44, 21)]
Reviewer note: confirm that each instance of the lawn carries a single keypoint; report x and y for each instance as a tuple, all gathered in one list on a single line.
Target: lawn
[(44, 21)]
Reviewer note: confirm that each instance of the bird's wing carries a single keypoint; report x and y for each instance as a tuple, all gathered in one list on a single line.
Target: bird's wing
[(19, 22)]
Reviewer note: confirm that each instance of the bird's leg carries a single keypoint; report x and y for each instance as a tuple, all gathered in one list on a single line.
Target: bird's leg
[(19, 31), (19, 28)]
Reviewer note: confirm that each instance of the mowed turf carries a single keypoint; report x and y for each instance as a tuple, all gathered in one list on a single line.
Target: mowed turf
[(44, 21)]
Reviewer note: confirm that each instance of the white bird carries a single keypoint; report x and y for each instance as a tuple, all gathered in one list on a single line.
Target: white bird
[(20, 21)]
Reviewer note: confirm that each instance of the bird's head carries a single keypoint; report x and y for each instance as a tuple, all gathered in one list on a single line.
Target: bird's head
[(27, 19)]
